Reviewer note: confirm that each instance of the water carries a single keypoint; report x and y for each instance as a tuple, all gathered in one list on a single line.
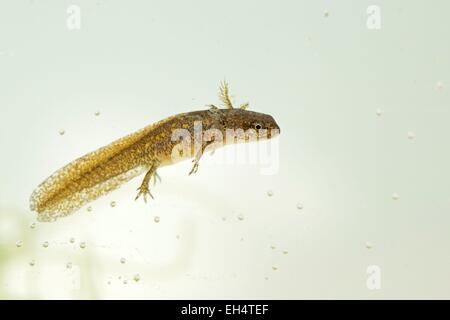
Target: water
[(362, 152)]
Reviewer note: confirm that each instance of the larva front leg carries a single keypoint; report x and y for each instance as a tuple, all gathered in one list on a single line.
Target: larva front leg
[(198, 156)]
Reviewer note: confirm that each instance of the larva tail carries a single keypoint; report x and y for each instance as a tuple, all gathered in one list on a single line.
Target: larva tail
[(51, 205), (87, 178)]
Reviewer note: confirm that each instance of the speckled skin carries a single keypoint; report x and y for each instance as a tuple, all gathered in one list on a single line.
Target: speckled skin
[(105, 169)]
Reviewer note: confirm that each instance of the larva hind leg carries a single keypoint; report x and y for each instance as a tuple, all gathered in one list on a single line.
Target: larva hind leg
[(144, 189)]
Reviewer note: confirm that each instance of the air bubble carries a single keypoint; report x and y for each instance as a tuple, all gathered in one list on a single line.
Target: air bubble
[(83, 245), (72, 240), (378, 112), (89, 209), (270, 193), (299, 206), (123, 260), (274, 268), (62, 132), (97, 113), (411, 135), (285, 252), (33, 225), (395, 196), (326, 14), (45, 244), (19, 243), (368, 245), (32, 263), (156, 219), (113, 204), (69, 265), (137, 277), (240, 216)]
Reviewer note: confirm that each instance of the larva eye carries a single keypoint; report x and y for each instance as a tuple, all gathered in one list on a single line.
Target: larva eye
[(257, 126)]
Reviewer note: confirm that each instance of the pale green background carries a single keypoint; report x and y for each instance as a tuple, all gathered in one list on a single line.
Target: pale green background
[(322, 77)]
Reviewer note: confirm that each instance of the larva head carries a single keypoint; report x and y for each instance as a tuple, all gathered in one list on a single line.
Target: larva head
[(257, 126)]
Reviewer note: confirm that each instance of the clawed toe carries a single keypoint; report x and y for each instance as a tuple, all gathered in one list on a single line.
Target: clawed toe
[(156, 177), (194, 168), (144, 192)]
